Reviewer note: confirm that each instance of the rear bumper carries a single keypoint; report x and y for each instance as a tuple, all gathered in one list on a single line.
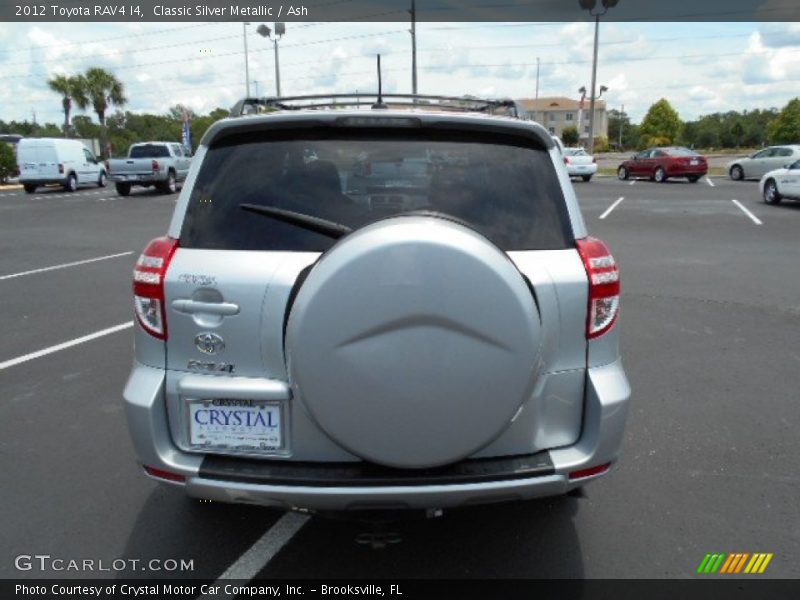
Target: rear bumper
[(581, 170), (43, 181), (315, 488)]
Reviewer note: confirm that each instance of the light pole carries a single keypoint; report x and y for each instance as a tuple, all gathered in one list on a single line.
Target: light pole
[(246, 66), (413, 32), (266, 32), (590, 6)]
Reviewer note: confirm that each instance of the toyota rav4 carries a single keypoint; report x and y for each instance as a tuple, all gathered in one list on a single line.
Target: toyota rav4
[(303, 347)]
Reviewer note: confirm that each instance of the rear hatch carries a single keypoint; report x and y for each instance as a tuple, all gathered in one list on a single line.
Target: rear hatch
[(38, 162), (233, 278)]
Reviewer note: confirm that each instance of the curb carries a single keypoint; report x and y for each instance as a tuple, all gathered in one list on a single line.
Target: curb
[(4, 188)]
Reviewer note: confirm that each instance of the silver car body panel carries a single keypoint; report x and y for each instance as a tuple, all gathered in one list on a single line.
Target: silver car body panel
[(576, 409)]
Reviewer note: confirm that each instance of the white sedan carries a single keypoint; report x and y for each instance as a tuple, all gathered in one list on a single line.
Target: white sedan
[(781, 183), (579, 164)]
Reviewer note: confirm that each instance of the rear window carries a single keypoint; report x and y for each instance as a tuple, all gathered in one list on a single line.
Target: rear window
[(149, 151), (681, 152), (507, 191)]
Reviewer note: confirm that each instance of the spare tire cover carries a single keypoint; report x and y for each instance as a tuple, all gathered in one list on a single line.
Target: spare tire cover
[(413, 342)]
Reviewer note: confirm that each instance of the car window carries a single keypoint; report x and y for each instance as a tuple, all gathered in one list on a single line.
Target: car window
[(657, 153), (149, 151), (761, 154), (642, 154), (784, 151), (89, 156), (507, 191), (682, 152), (795, 165)]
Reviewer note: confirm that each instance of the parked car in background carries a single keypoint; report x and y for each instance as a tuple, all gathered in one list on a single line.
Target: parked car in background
[(56, 160), (659, 164), (781, 183), (579, 163), (159, 164), (763, 161)]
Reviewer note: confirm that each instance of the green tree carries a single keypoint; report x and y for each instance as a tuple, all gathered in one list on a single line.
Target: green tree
[(569, 135), (8, 162), (103, 89), (72, 90), (661, 123), (785, 128)]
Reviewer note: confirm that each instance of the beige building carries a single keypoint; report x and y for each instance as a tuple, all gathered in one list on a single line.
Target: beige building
[(559, 112)]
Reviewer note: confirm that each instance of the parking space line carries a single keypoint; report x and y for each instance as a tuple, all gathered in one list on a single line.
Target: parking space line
[(753, 218), (65, 265), (612, 207), (81, 340), (266, 547), (709, 182), (632, 182)]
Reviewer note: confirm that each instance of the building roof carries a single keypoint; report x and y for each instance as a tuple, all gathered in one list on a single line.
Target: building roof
[(556, 103)]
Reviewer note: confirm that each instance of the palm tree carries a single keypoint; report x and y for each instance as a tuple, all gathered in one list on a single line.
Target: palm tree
[(72, 90), (102, 90)]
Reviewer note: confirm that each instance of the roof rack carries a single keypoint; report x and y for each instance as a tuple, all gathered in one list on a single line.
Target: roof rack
[(252, 106)]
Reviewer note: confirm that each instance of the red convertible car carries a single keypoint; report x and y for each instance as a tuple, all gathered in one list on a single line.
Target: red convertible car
[(659, 164)]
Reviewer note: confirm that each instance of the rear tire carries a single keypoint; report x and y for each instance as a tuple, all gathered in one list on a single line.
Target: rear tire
[(586, 177), (622, 173), (170, 186), (660, 175), (123, 189), (736, 173), (72, 183), (101, 180), (29, 188), (771, 194)]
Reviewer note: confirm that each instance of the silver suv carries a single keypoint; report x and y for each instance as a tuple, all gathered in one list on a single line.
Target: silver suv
[(305, 347)]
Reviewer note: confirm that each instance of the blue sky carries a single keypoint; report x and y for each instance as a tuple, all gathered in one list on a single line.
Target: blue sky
[(700, 67)]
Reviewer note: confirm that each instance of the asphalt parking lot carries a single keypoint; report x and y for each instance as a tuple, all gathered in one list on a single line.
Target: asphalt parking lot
[(710, 318)]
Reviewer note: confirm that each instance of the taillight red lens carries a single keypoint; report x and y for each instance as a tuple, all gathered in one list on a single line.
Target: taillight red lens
[(162, 474), (603, 286), (156, 166), (566, 160), (60, 169), (590, 471), (148, 285)]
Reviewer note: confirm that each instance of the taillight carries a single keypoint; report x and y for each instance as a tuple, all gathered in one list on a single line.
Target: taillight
[(162, 474), (594, 160), (603, 286), (60, 169), (566, 160), (148, 285), (589, 472), (156, 166)]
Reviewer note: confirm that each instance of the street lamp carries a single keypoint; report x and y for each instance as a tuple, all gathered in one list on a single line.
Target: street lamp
[(266, 32), (590, 5)]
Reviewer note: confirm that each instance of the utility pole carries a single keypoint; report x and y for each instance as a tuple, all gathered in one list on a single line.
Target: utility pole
[(413, 32), (621, 124), (246, 66), (255, 81), (594, 83), (537, 77)]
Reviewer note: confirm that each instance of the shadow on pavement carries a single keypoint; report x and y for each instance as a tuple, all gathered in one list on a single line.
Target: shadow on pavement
[(534, 539), (212, 534)]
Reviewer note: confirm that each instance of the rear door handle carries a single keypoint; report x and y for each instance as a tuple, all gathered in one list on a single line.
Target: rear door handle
[(225, 309)]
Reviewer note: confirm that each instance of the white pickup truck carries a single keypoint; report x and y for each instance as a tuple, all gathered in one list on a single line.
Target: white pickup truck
[(159, 164)]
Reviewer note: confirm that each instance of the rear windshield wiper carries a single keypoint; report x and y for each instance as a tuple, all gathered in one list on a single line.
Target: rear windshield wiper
[(315, 224)]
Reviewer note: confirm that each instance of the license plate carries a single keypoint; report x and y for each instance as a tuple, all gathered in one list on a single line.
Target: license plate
[(235, 424), (694, 162)]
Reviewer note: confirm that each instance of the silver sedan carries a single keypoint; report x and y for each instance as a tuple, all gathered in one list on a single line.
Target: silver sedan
[(763, 161)]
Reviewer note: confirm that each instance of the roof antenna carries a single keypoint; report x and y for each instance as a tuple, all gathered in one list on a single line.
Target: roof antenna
[(379, 103)]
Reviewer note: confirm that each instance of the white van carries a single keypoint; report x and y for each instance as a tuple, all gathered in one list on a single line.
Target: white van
[(55, 160)]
